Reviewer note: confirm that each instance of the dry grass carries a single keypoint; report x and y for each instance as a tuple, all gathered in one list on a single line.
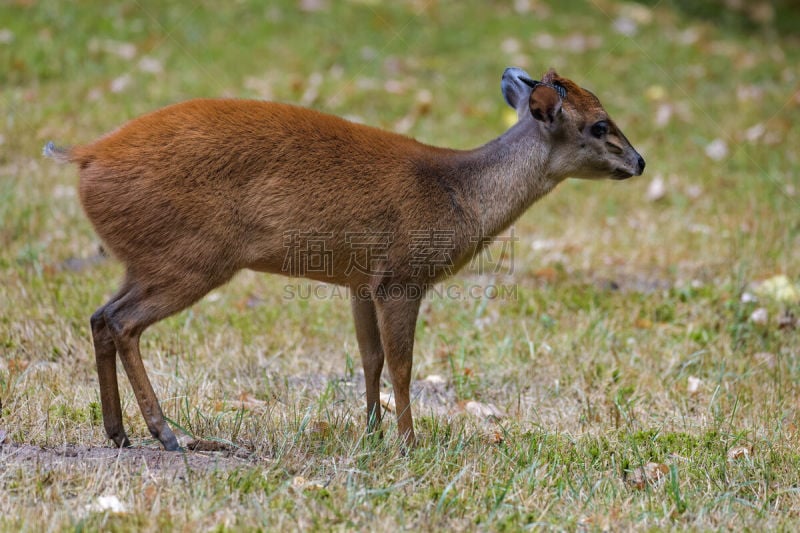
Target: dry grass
[(626, 339)]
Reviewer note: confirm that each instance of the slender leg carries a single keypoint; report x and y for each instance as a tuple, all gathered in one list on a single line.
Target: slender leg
[(127, 317), (106, 358), (369, 344), (397, 319)]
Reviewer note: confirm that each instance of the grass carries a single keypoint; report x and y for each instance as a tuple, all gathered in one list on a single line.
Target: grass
[(618, 298)]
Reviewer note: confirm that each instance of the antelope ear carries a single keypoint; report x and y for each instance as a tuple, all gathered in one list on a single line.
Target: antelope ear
[(515, 90), (545, 104)]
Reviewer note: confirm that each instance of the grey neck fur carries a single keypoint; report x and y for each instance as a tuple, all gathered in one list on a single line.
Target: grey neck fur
[(508, 174)]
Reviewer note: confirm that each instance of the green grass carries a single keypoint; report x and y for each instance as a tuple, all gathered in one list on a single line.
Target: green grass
[(618, 300)]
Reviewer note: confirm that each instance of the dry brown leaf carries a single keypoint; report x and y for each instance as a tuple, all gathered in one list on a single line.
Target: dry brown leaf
[(387, 401), (486, 411), (202, 445), (319, 428), (643, 323), (248, 401), (150, 493), (494, 437), (547, 274), (435, 379), (301, 483), (17, 365), (739, 452), (651, 473)]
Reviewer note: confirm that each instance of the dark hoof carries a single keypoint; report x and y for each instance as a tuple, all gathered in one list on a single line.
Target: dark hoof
[(121, 441), (171, 445)]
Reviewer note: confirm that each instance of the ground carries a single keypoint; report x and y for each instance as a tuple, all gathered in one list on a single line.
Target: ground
[(636, 367)]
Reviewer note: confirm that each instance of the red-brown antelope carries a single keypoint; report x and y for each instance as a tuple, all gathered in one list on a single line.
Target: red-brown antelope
[(188, 195)]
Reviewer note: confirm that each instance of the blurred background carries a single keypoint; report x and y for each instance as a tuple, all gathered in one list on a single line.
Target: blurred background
[(658, 313), (706, 90)]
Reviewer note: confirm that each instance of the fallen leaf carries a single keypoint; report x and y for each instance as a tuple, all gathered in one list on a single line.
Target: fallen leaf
[(311, 6), (655, 93), (248, 401), (625, 26), (663, 114), (657, 189), (717, 149), (405, 124), (120, 83), (549, 274), (494, 436), (748, 297), (779, 288), (150, 492), (510, 45), (107, 503), (301, 483), (639, 13), (754, 133), (651, 473), (759, 316), (387, 401), (694, 191), (202, 445), (17, 365), (694, 385), (739, 452), (435, 379), (319, 428), (486, 411), (150, 65), (643, 323), (424, 101)]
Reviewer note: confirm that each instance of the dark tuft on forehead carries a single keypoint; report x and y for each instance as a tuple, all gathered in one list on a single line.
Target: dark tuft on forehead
[(577, 97)]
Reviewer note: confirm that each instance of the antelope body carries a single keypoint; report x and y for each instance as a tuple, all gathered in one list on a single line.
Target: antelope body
[(188, 195)]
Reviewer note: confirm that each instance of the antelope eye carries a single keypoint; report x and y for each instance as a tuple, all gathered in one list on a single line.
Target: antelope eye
[(599, 129)]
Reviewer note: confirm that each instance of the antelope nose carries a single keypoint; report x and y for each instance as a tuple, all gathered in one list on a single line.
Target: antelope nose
[(640, 161)]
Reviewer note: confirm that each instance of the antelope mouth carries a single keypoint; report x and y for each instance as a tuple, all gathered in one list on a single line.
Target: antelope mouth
[(621, 174)]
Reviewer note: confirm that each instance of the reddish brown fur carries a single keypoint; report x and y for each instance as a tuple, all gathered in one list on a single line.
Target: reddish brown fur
[(220, 166), (577, 97), (189, 194)]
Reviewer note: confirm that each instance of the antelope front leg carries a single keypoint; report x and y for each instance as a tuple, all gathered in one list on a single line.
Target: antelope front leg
[(397, 320), (369, 344)]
